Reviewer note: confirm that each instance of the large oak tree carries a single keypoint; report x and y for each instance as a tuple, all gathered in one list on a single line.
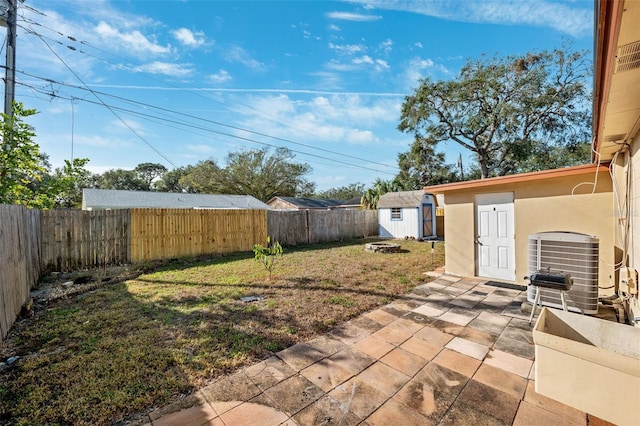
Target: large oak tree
[(510, 112), (259, 173)]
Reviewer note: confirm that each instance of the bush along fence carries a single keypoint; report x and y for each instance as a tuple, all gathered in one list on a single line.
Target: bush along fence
[(34, 242)]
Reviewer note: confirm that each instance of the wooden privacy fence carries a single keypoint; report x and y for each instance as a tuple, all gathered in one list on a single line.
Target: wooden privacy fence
[(19, 260), (173, 233), (33, 241), (292, 228), (77, 239)]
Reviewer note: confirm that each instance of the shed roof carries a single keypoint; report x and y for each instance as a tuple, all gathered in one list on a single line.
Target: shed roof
[(310, 203), (401, 199), (521, 177), (119, 199)]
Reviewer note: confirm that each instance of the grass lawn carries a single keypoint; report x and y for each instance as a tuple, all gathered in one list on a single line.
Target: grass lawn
[(114, 353)]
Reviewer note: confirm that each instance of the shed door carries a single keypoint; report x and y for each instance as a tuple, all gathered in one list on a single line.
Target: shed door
[(495, 236), (427, 220)]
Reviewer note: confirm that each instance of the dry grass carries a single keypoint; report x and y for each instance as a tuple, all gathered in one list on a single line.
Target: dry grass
[(113, 353)]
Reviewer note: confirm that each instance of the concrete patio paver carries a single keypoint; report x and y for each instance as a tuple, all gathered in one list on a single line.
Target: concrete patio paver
[(423, 348), (421, 360), (359, 397), (384, 378), (508, 362), (489, 401), (432, 391), (326, 374), (251, 414), (353, 360), (502, 380), (196, 415), (374, 346), (300, 356), (326, 411), (467, 347), (269, 372), (395, 413), (294, 394), (457, 362), (404, 361)]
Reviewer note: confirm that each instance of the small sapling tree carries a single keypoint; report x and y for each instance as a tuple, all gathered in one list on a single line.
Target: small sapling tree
[(268, 255)]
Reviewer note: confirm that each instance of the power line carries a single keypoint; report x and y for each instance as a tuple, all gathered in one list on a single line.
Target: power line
[(216, 123), (74, 39), (108, 107), (163, 121), (147, 105)]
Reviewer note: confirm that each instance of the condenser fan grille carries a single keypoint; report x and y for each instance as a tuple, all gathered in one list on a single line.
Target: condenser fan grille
[(571, 253)]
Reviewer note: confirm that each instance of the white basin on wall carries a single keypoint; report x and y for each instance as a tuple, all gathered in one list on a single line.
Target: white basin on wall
[(589, 364)]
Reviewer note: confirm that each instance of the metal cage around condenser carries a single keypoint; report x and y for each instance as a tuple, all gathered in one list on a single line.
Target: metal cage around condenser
[(574, 254)]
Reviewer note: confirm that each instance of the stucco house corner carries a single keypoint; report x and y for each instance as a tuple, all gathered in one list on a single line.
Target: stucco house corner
[(496, 228)]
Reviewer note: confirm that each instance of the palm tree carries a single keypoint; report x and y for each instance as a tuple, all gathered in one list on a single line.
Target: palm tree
[(371, 196)]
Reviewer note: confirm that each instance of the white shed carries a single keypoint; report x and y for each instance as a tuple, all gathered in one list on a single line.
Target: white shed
[(407, 214)]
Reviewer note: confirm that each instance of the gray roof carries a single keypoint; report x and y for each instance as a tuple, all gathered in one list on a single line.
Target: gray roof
[(401, 199), (310, 203), (355, 201), (98, 199)]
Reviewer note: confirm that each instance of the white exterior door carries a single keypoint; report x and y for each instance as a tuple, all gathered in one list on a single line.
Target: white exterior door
[(495, 236)]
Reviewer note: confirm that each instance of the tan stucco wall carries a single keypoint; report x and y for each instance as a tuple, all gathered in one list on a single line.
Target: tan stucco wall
[(634, 194), (634, 224), (539, 206)]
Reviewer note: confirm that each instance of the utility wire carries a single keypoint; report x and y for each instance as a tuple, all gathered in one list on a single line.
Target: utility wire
[(230, 135), (214, 122), (107, 106), (74, 39)]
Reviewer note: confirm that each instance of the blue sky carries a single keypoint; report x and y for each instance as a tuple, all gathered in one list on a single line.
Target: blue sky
[(176, 82)]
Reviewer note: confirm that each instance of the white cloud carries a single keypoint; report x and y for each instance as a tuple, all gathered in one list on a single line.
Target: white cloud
[(358, 63), (574, 19), (332, 119), (238, 54), (221, 76), (561, 17), (334, 27), (335, 65), (366, 59), (165, 68), (359, 137), (381, 64), (188, 38), (418, 44), (378, 64), (356, 17), (386, 46), (132, 40), (347, 49), (417, 67)]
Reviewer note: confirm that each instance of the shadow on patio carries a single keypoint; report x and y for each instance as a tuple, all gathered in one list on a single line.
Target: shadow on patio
[(454, 351)]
